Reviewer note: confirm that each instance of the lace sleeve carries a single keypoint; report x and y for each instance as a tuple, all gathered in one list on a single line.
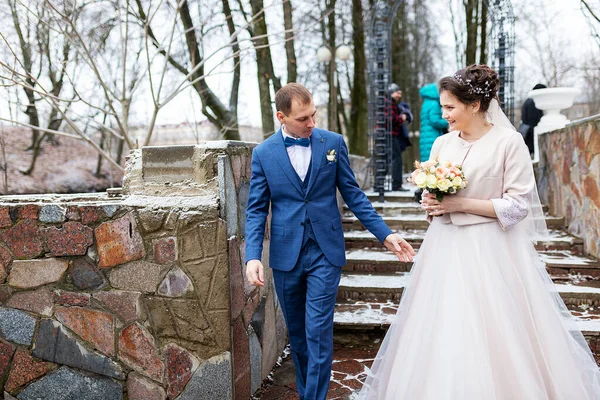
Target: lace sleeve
[(510, 210), (518, 184)]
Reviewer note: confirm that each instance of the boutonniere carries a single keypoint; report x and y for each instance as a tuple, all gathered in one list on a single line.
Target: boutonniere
[(331, 155)]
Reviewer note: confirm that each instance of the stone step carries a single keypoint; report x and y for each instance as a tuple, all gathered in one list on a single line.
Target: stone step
[(391, 209), (560, 263), (396, 197), (362, 239), (414, 220), (389, 287), (365, 316)]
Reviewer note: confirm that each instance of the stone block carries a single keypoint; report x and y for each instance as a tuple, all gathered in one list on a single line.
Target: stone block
[(52, 213), (34, 273), (68, 384), (256, 361), (5, 293), (175, 284), (183, 319), (270, 350), (140, 388), (85, 275), (90, 214), (5, 220), (95, 327), (55, 344), (25, 369), (64, 298), (73, 214), (236, 280), (227, 195), (151, 220), (212, 380), (180, 367), (205, 239), (110, 209), (138, 350), (126, 305), (6, 352), (24, 239), (165, 250), (168, 163), (119, 242), (16, 326), (40, 301), (218, 296), (28, 211), (139, 276), (73, 239), (5, 259), (241, 361)]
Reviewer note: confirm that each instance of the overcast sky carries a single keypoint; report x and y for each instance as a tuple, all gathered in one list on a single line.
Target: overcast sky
[(559, 23)]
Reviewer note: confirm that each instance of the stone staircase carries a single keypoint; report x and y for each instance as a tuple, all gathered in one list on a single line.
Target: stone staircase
[(373, 280)]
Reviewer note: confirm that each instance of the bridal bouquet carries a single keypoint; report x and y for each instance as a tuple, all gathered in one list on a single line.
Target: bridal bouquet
[(438, 177)]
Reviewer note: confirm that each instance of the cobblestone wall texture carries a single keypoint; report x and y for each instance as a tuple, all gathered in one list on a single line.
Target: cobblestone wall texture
[(138, 297), (570, 184)]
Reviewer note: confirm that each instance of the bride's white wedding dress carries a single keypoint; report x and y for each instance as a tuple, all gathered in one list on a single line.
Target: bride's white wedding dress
[(480, 318)]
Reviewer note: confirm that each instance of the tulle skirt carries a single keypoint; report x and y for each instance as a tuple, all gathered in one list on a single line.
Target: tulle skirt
[(481, 320)]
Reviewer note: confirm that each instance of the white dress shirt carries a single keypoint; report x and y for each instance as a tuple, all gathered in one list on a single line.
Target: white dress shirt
[(299, 156)]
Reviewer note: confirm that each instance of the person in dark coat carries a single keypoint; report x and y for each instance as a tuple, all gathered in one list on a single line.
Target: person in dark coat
[(432, 123), (401, 115), (531, 116)]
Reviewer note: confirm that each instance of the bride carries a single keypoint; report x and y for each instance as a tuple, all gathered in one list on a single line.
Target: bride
[(480, 318)]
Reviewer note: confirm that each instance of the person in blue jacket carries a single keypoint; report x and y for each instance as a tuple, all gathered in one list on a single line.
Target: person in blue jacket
[(432, 123)]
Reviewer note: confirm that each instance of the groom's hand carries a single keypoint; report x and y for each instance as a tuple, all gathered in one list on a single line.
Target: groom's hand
[(255, 273), (400, 247)]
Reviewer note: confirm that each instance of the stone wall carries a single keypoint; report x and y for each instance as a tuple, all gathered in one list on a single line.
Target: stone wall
[(569, 168), (141, 296)]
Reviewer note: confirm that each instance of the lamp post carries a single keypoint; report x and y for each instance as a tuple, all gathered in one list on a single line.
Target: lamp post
[(324, 55)]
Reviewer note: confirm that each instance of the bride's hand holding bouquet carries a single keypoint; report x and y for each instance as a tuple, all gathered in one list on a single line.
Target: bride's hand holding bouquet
[(438, 179)]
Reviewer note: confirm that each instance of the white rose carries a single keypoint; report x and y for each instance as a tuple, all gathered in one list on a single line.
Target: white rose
[(444, 185), (331, 157), (457, 182), (431, 181), (420, 179)]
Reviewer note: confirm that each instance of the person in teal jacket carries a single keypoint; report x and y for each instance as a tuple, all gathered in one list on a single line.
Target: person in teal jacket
[(432, 123)]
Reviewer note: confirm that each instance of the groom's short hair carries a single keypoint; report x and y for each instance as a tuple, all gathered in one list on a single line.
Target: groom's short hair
[(288, 93)]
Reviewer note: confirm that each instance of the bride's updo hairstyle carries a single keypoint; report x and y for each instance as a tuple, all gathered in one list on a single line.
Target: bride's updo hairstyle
[(477, 82)]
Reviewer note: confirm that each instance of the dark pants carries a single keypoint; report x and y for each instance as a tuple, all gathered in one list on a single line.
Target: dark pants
[(307, 296), (397, 150)]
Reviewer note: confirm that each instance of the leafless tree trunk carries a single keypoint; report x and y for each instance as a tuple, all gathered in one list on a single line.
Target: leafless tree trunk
[(292, 72), (235, 47), (483, 33), (358, 128), (212, 107), (332, 109), (25, 43), (3, 160), (471, 17), (264, 66)]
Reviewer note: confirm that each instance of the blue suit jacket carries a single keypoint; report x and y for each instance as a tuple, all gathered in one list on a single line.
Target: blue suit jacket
[(274, 182)]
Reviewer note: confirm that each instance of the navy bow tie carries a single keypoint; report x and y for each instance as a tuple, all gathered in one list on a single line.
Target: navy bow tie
[(288, 141)]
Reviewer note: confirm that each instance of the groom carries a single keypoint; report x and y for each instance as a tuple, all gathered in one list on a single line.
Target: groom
[(296, 172)]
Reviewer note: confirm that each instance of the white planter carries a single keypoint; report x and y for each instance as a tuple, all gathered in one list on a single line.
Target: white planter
[(551, 101)]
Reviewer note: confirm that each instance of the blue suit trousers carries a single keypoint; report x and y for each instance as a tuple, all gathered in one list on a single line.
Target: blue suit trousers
[(307, 295)]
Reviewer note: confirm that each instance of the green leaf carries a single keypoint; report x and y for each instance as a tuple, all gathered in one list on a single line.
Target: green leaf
[(439, 196)]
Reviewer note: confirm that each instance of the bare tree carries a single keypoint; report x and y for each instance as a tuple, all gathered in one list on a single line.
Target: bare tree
[(292, 68), (358, 128)]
